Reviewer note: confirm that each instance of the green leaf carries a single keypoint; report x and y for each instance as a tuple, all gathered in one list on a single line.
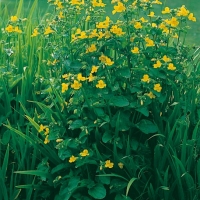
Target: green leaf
[(106, 137), (129, 185), (143, 110), (73, 183), (98, 191), (76, 124), (6, 137), (122, 197), (124, 72), (147, 126), (119, 101)]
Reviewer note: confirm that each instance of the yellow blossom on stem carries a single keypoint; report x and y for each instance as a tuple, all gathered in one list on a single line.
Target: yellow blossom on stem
[(151, 95), (17, 30), (84, 153), (82, 35), (9, 28), (183, 11), (149, 42), (61, 15), (135, 50), (91, 77), (151, 14), (191, 17), (35, 33), (138, 25), (80, 77), (157, 87), (13, 18), (48, 30), (72, 159), (143, 20), (59, 140), (101, 84), (76, 85), (166, 10), (41, 128), (157, 2), (157, 64), (120, 165), (64, 87), (46, 140), (91, 48), (119, 8), (146, 78), (46, 131), (166, 59), (171, 67), (174, 22), (116, 30), (94, 69), (109, 164)]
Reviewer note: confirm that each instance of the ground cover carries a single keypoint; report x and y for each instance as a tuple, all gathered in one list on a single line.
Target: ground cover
[(99, 107)]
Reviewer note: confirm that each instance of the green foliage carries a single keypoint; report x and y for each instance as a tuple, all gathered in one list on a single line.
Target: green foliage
[(95, 107)]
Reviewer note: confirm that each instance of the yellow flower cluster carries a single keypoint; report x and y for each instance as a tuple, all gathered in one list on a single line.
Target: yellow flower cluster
[(46, 133)]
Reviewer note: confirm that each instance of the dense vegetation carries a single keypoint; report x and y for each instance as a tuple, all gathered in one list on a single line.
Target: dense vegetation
[(99, 103)]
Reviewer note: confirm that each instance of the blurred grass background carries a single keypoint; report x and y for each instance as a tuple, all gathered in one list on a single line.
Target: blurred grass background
[(193, 36)]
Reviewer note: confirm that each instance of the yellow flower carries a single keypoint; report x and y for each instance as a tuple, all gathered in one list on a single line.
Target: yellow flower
[(64, 87), (17, 30), (138, 25), (109, 164), (72, 159), (151, 14), (171, 67), (143, 20), (46, 140), (87, 18), (35, 32), (61, 15), (94, 69), (116, 30), (84, 153), (157, 87), (82, 35), (175, 35), (151, 95), (91, 77), (166, 10), (93, 33), (182, 11), (146, 78), (41, 128), (76, 85), (157, 2), (59, 140), (191, 17), (13, 18), (166, 59), (80, 77), (135, 50), (48, 30), (119, 8), (66, 76), (9, 28), (46, 131), (98, 4), (174, 22), (109, 62), (101, 84), (77, 2), (149, 42), (120, 165), (157, 64), (102, 58), (91, 48)]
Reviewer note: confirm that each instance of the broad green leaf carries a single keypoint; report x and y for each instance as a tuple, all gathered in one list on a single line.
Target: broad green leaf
[(143, 110), (73, 183), (147, 126), (76, 124), (106, 137), (98, 191), (119, 101)]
